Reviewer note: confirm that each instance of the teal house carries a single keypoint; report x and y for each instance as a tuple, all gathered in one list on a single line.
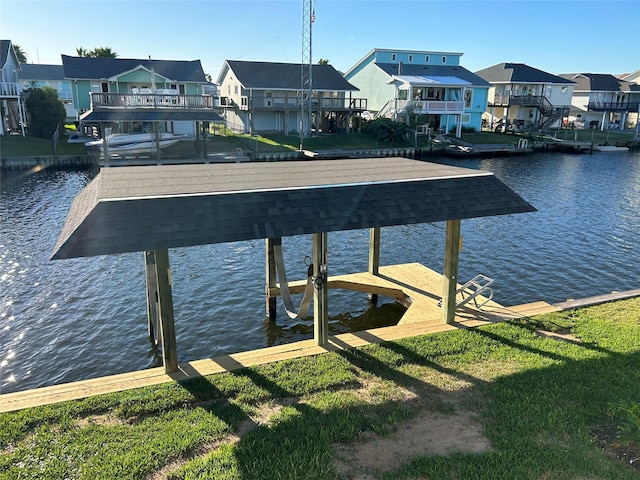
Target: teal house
[(427, 88), (131, 94)]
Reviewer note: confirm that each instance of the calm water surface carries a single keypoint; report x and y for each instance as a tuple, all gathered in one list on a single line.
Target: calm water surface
[(73, 319)]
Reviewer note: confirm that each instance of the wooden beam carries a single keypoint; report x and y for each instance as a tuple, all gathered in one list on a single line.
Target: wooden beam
[(271, 281), (165, 304), (374, 257), (153, 313), (450, 277), (320, 294)]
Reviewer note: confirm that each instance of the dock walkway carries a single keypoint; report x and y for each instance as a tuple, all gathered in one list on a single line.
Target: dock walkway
[(413, 285)]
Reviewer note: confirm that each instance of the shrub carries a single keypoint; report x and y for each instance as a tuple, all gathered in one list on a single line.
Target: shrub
[(386, 130), (46, 111)]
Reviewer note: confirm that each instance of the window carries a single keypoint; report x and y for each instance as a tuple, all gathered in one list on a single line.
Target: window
[(465, 118), (564, 89), (411, 58), (444, 59), (426, 59), (468, 98), (393, 57)]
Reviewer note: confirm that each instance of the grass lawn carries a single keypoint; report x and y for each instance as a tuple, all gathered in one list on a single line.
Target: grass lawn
[(17, 146), (498, 402)]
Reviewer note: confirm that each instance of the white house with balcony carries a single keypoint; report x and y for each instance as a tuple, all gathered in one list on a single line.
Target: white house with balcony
[(34, 75), (603, 101), (13, 113), (268, 97), (430, 87), (522, 97)]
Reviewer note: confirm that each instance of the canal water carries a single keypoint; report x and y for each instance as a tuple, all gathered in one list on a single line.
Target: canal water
[(69, 320)]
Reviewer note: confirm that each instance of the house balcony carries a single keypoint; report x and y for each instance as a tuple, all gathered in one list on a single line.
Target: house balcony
[(434, 107), (162, 100), (10, 89), (294, 103), (613, 106), (519, 100)]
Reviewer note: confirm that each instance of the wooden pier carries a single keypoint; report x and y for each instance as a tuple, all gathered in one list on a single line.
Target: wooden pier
[(413, 285)]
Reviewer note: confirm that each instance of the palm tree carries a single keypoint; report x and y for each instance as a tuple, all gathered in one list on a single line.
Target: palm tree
[(98, 52), (22, 57)]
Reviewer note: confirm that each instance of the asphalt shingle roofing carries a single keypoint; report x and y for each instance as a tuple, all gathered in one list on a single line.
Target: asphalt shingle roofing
[(128, 209), (597, 82), (286, 76), (519, 73), (32, 71), (103, 68), (151, 115)]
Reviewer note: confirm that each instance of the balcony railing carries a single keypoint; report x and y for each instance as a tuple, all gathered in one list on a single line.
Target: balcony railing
[(613, 106), (150, 100), (431, 106), (10, 89), (519, 100), (293, 103)]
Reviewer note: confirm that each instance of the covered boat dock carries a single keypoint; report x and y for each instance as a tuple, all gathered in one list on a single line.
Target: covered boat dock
[(154, 208)]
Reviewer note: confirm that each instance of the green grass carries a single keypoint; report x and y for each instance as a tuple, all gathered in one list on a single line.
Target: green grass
[(17, 146), (547, 407)]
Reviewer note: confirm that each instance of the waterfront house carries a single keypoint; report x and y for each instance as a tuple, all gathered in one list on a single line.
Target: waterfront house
[(633, 77), (13, 117), (34, 75), (131, 95), (268, 97), (603, 101), (425, 87), (526, 98)]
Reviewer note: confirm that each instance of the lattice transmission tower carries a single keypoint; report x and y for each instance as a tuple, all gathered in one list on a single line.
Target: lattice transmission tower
[(306, 87)]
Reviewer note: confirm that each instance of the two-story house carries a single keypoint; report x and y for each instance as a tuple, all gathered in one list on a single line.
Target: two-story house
[(268, 97), (34, 75), (12, 110), (131, 95), (433, 85), (526, 98), (603, 101)]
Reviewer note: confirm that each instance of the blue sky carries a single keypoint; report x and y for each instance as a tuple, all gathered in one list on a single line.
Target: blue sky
[(555, 36)]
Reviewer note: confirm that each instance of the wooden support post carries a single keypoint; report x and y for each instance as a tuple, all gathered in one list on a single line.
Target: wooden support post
[(153, 314), (320, 294), (450, 277), (271, 276), (165, 304), (374, 257), (204, 140), (156, 132)]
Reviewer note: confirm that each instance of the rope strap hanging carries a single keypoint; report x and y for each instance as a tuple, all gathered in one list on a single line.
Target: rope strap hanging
[(284, 286)]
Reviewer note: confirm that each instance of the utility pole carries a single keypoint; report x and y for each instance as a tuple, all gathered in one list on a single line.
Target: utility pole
[(306, 88)]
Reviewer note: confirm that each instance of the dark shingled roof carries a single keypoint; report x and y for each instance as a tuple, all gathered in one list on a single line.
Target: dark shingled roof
[(130, 209), (151, 115), (435, 71), (287, 76), (103, 68), (33, 71), (597, 82), (519, 73)]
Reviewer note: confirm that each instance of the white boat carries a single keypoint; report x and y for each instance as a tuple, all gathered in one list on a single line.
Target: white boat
[(610, 148), (134, 142)]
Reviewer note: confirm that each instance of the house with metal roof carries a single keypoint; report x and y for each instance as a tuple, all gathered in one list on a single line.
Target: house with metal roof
[(268, 97), (34, 75), (603, 101), (526, 98), (424, 87), (131, 94), (13, 117)]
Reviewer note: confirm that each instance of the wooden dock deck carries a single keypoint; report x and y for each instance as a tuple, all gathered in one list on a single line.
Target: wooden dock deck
[(413, 285)]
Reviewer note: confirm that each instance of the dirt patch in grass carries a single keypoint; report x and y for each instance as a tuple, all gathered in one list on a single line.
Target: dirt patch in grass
[(607, 440), (428, 434)]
